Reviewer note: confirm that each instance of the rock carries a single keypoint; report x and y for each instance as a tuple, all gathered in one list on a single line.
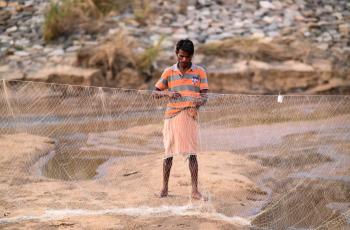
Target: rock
[(193, 27), (295, 66), (4, 38), (204, 3), (289, 17), (344, 30), (4, 16), (73, 48), (258, 34), (11, 75), (267, 5), (180, 34), (191, 8), (214, 30), (29, 3), (268, 19), (21, 54), (325, 37), (204, 26), (3, 52), (227, 81), (322, 65), (68, 75), (332, 84), (273, 34), (57, 52), (4, 68), (129, 78), (222, 36), (328, 9), (11, 71), (22, 42), (11, 29), (38, 47), (307, 34), (24, 29), (155, 38)]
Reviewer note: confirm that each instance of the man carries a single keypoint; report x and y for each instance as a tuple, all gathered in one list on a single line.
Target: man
[(187, 88)]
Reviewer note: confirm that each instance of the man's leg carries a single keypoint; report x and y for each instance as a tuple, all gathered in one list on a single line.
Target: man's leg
[(193, 165), (167, 163)]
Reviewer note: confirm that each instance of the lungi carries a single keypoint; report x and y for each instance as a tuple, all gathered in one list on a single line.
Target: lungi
[(180, 133)]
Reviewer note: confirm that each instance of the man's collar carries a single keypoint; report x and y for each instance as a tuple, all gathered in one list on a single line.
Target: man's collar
[(175, 67)]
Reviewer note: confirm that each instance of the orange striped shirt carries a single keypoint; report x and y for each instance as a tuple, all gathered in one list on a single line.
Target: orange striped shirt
[(188, 85)]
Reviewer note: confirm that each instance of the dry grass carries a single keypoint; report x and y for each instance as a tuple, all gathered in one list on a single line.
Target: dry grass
[(120, 45), (119, 53), (183, 4), (106, 6), (148, 57), (60, 15), (143, 10), (64, 17), (112, 56)]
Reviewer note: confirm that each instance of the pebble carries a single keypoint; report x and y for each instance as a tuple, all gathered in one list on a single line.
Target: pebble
[(21, 54), (12, 29)]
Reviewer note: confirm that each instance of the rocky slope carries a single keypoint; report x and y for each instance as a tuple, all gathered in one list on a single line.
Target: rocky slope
[(294, 46)]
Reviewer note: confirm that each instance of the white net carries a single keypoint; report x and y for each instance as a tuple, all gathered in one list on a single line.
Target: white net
[(79, 156)]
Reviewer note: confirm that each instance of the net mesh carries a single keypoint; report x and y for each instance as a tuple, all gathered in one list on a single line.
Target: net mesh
[(86, 151)]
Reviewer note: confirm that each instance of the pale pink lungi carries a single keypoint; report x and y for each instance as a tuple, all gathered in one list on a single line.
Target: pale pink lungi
[(181, 134)]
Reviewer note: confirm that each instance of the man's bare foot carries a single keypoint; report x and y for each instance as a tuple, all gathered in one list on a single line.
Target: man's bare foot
[(163, 193), (196, 195)]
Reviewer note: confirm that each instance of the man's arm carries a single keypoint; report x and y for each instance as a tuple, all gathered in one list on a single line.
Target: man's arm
[(203, 98), (162, 86)]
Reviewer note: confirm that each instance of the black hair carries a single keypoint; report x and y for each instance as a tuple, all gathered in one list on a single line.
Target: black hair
[(185, 45)]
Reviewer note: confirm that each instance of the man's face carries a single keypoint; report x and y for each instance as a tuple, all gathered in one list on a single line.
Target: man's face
[(184, 58)]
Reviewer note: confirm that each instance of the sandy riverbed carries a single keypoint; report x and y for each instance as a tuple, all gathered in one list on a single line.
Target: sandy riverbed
[(261, 185), (106, 202)]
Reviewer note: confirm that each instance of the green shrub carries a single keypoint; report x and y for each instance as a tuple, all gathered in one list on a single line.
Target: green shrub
[(53, 25), (148, 57), (63, 17), (106, 6)]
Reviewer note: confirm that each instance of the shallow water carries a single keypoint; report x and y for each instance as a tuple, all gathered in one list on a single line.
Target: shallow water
[(68, 166)]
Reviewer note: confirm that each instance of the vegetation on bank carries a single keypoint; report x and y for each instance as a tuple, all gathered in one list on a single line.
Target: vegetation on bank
[(149, 56), (118, 53), (66, 16)]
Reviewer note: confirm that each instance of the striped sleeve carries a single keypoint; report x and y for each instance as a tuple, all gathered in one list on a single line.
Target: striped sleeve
[(162, 83), (204, 79)]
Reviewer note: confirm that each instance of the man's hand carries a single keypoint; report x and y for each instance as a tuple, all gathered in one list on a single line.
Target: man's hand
[(157, 93), (203, 99), (200, 101), (174, 95)]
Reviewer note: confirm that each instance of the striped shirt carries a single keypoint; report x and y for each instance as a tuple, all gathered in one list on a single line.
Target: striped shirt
[(188, 85)]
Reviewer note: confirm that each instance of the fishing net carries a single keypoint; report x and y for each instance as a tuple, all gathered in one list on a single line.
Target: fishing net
[(265, 162)]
